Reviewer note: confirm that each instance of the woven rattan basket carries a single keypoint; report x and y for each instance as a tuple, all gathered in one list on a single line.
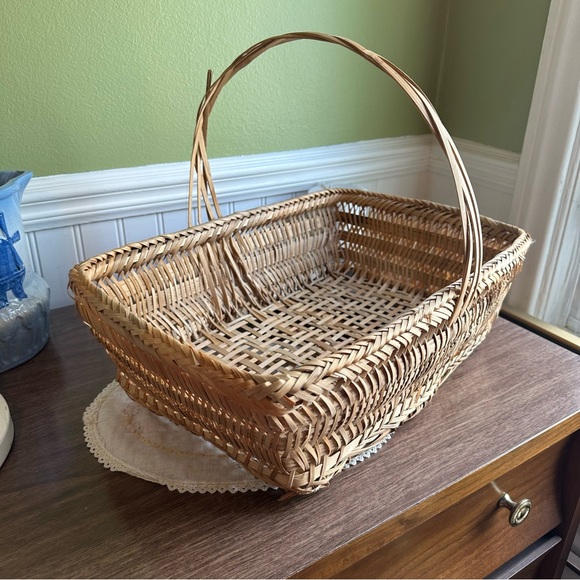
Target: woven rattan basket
[(298, 335)]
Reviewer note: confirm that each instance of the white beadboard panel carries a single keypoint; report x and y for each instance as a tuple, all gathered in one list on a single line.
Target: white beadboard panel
[(85, 214), (33, 247), (69, 218), (492, 173), (254, 200), (404, 185), (174, 221), (99, 237), (411, 184), (58, 251), (272, 199), (140, 227), (251, 202), (492, 203)]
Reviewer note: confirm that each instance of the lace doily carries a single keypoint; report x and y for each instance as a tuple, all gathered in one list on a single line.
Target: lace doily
[(125, 436)]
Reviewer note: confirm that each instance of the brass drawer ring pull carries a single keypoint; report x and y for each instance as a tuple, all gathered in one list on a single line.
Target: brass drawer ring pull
[(519, 511)]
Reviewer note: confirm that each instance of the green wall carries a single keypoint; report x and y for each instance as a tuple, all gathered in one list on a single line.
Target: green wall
[(97, 84), (491, 54)]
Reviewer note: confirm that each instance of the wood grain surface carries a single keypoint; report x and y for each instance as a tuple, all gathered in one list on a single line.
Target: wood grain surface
[(473, 538), (63, 515)]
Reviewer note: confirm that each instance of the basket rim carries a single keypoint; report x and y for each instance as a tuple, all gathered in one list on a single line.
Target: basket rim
[(280, 386)]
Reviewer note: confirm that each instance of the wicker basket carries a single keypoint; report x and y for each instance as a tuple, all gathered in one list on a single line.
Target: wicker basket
[(298, 335)]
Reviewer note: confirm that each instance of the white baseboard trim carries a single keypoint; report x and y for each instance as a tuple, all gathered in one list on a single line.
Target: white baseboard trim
[(68, 218)]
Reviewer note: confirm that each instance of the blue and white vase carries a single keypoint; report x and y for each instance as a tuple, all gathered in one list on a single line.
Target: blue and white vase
[(24, 295)]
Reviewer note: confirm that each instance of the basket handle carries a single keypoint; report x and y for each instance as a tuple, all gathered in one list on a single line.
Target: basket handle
[(472, 235)]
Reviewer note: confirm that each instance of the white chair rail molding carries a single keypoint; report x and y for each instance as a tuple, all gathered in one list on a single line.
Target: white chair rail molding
[(69, 218)]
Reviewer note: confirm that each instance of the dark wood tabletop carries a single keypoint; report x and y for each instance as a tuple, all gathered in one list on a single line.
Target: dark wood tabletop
[(62, 514)]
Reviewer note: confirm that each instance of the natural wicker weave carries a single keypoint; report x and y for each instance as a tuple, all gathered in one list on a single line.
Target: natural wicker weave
[(295, 336)]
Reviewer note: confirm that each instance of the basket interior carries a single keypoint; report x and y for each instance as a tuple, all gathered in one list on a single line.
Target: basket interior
[(296, 283), (307, 324)]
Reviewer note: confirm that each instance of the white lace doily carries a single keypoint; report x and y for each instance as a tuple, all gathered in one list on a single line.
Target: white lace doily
[(125, 436)]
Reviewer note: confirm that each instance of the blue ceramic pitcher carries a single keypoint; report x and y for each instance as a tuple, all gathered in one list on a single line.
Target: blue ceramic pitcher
[(24, 295)]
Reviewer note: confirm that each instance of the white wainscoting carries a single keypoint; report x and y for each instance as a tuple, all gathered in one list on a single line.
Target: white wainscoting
[(492, 171), (68, 218)]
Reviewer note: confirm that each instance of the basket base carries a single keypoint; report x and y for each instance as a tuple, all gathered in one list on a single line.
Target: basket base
[(303, 326)]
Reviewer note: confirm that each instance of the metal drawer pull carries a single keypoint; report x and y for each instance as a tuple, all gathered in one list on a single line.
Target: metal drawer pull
[(519, 511)]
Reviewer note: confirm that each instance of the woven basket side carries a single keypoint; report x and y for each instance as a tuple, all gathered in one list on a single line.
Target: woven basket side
[(217, 260), (220, 279), (286, 254), (413, 243), (405, 242)]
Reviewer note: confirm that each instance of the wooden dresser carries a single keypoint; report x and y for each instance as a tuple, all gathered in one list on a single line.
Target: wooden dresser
[(507, 421)]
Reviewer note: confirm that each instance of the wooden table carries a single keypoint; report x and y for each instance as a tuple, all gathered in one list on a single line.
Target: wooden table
[(423, 506)]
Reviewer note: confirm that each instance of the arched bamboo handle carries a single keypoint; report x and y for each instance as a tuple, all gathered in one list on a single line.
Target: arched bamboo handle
[(472, 236)]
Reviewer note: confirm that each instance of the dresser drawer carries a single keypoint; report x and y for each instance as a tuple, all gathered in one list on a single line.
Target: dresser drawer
[(473, 537)]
